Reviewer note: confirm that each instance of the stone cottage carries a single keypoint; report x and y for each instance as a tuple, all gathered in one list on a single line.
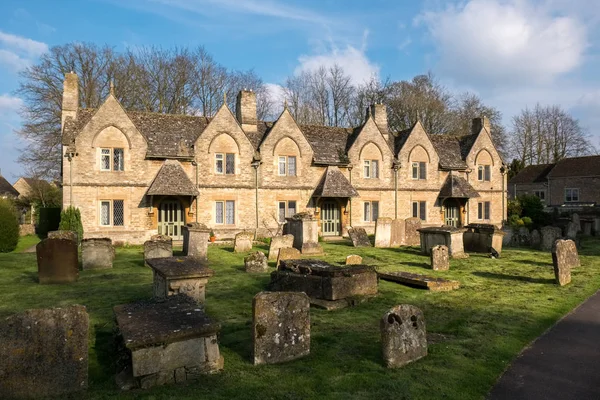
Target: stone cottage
[(135, 174)]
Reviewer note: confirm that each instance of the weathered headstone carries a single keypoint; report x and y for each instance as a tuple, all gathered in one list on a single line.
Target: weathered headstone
[(403, 335), (524, 237), (383, 232), (440, 261), (508, 235), (62, 234), (397, 238), (564, 253), (289, 253), (535, 239), (97, 253), (243, 242), (279, 242), (281, 326), (596, 226), (354, 259), (57, 261), (304, 227), (195, 240), (44, 353), (577, 221), (180, 275), (571, 230), (419, 281), (256, 262), (159, 246), (549, 235), (412, 237), (359, 237)]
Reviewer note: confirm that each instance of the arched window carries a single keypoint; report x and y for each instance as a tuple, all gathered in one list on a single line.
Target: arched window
[(484, 164), (286, 157), (419, 161), (224, 152), (371, 159), (111, 145)]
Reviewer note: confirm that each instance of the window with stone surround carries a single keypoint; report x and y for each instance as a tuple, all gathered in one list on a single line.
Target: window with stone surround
[(112, 213), (419, 170), (484, 173), (418, 162), (287, 165), (541, 194), (112, 159), (483, 210), (371, 169), (370, 211), (225, 212), (419, 210), (571, 195), (286, 209), (225, 163)]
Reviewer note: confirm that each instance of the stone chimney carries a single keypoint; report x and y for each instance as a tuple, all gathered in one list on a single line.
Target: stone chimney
[(245, 110), (379, 113), (70, 100), (479, 123)]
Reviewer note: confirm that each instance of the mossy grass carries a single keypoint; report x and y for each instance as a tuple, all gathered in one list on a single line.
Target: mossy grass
[(474, 332)]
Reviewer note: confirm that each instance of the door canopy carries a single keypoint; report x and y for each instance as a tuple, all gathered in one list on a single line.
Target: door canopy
[(334, 184), (458, 188), (171, 180)]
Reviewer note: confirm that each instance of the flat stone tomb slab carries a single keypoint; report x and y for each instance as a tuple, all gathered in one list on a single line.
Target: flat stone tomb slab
[(419, 281), (170, 341), (328, 286), (180, 275)]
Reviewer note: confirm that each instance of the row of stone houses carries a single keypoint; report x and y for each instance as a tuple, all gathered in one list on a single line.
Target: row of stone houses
[(134, 174), (569, 183)]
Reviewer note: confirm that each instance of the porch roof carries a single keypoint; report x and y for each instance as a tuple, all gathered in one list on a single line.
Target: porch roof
[(171, 180), (457, 187), (334, 184)]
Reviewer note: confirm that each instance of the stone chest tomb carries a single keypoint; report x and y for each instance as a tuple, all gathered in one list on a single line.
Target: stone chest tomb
[(159, 246), (180, 275), (447, 236), (479, 238), (97, 253), (167, 342)]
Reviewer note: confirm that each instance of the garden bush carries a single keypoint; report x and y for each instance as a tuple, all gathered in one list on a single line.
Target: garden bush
[(9, 226), (70, 220), (49, 219)]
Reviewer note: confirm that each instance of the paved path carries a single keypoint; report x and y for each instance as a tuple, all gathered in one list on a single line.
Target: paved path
[(30, 249), (563, 363)]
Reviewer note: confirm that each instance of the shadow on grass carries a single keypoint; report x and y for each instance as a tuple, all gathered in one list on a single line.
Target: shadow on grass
[(27, 277), (540, 263), (420, 265), (529, 279)]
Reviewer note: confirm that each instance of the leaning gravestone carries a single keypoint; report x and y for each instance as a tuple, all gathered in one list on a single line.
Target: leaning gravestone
[(159, 246), (290, 253), (564, 252), (535, 239), (256, 262), (403, 335), (281, 326), (243, 242), (412, 237), (549, 235), (571, 230), (354, 259), (440, 260), (359, 237), (97, 253), (279, 242), (57, 261), (383, 232), (44, 353)]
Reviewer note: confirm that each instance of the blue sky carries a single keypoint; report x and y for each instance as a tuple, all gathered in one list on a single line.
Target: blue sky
[(513, 53)]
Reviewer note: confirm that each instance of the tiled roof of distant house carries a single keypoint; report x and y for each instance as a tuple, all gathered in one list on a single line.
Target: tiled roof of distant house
[(532, 174), (576, 166), (6, 189)]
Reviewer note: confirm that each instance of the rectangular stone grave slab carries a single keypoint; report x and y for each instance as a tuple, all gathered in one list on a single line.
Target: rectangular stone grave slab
[(279, 242), (195, 240), (447, 236), (168, 341), (419, 281), (57, 261), (44, 353), (479, 238), (97, 253), (280, 327), (304, 227), (180, 275), (403, 335), (359, 237), (383, 232)]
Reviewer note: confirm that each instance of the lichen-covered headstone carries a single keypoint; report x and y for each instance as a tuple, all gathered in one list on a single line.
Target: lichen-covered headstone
[(97, 253), (571, 230), (279, 242), (403, 335), (523, 237), (243, 242), (564, 254), (256, 262), (353, 259), (290, 253), (359, 237), (195, 240), (44, 353), (383, 232), (440, 260), (280, 327), (549, 235), (57, 261), (159, 246), (412, 237), (63, 234), (535, 239)]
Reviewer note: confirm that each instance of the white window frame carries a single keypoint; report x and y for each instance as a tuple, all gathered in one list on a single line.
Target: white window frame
[(418, 213), (484, 173), (540, 194), (572, 191), (222, 157), (416, 170), (111, 212), (284, 161), (371, 169), (111, 159), (224, 210), (287, 213), (368, 214), (483, 208)]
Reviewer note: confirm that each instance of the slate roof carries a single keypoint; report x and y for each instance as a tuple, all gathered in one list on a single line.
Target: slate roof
[(328, 143), (532, 174), (466, 143), (457, 187), (171, 180), (576, 166), (334, 184), (6, 189), (449, 151)]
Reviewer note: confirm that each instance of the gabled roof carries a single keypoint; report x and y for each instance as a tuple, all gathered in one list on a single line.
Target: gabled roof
[(334, 184), (576, 166), (532, 174), (171, 180), (457, 187), (466, 144), (328, 143), (6, 189), (449, 151)]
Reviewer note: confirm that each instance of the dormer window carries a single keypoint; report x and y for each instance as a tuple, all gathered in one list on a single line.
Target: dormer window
[(225, 163), (484, 173), (371, 169), (112, 159), (419, 170), (287, 165)]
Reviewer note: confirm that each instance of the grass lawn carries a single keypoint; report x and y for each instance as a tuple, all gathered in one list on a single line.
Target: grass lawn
[(474, 332), (26, 242)]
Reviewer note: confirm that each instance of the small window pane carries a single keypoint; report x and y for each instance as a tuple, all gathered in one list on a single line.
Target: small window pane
[(487, 172), (281, 165), (219, 163), (415, 209), (105, 160), (105, 213), (219, 212), (292, 166), (282, 211), (415, 171), (423, 210), (480, 173), (118, 213), (375, 169), (291, 208), (487, 210), (422, 171), (367, 211), (118, 160), (479, 211), (230, 163), (375, 210), (230, 212), (367, 169)]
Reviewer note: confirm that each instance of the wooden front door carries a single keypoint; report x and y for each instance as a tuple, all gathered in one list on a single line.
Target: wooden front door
[(330, 219), (171, 219), (451, 213)]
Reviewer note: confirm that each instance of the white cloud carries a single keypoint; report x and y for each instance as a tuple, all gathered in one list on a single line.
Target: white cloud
[(17, 51), (9, 105), (276, 95), (513, 41)]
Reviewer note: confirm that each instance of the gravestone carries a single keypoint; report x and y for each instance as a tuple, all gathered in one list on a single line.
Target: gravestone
[(195, 240), (403, 335), (256, 262), (596, 226), (440, 260), (508, 236), (383, 232), (280, 327), (159, 246), (354, 259), (62, 234), (571, 230), (97, 253), (523, 237), (304, 227), (419, 281), (290, 253), (44, 353), (180, 275), (549, 235), (243, 242), (57, 261), (564, 252), (412, 237), (397, 237), (359, 237), (535, 239), (577, 221), (279, 242)]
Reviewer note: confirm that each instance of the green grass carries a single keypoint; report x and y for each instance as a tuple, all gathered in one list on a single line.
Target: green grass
[(26, 242), (474, 332)]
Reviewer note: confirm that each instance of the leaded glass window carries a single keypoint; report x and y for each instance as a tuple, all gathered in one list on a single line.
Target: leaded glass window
[(219, 212), (105, 159), (118, 213), (230, 163), (291, 165), (105, 213), (118, 160), (230, 212)]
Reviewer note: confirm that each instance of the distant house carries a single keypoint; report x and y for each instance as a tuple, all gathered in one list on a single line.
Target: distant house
[(28, 187), (7, 190), (571, 182)]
